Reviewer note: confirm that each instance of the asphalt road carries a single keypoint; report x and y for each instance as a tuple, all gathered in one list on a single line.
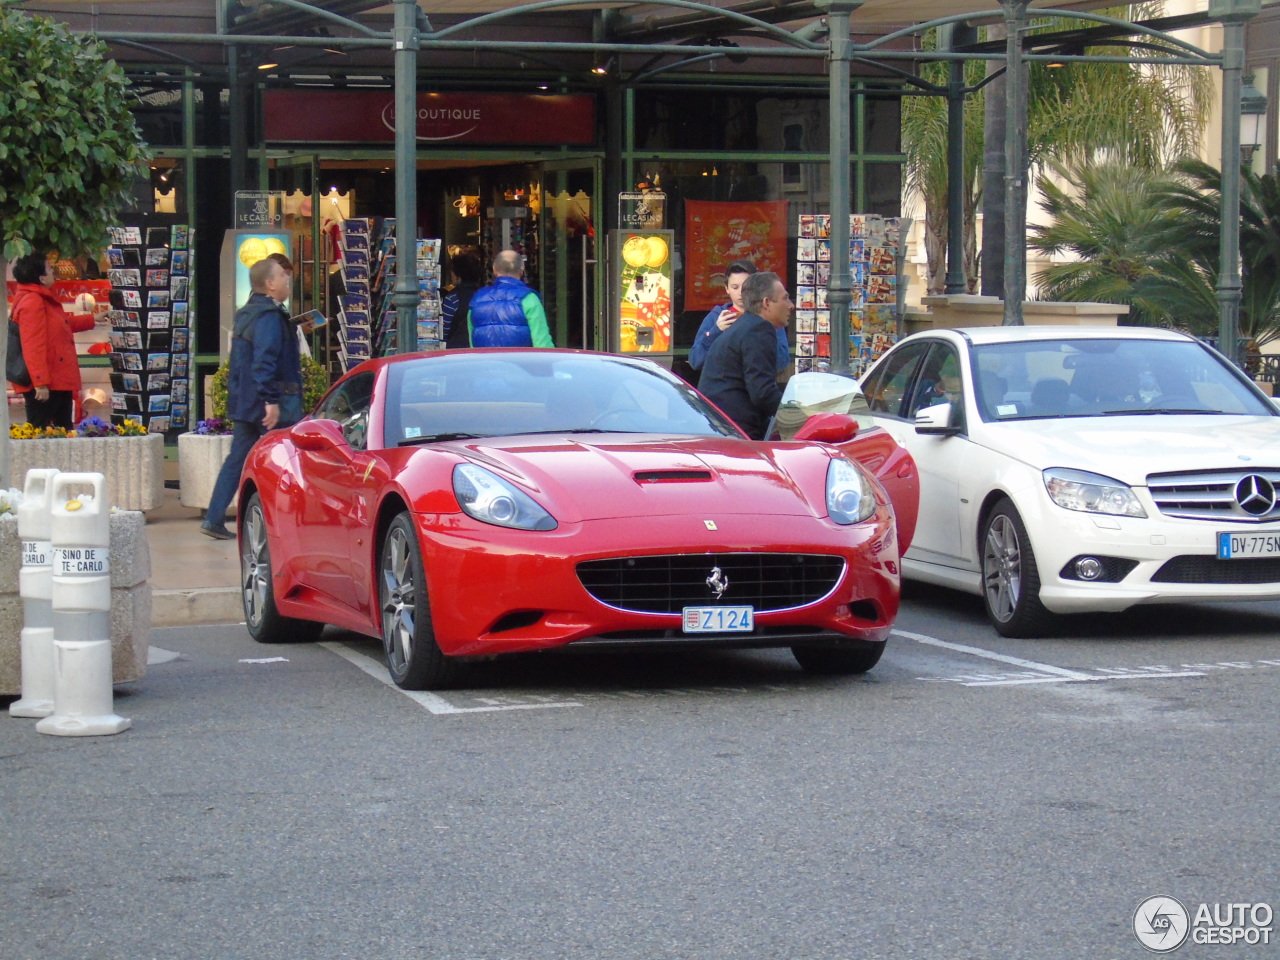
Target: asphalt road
[(971, 797)]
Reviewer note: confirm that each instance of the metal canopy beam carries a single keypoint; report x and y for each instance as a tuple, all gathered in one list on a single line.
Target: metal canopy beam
[(761, 18)]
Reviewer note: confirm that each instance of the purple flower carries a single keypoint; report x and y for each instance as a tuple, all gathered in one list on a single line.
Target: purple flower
[(214, 426), (95, 427)]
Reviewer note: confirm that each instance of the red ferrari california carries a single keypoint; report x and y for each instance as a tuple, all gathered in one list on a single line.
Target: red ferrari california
[(473, 503)]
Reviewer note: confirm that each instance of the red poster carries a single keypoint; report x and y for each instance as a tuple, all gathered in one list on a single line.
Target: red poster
[(716, 234)]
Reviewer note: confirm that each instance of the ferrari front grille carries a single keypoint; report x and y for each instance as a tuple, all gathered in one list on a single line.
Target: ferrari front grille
[(668, 584)]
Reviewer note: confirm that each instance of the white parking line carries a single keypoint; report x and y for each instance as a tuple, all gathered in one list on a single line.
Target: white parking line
[(1038, 672), (431, 701)]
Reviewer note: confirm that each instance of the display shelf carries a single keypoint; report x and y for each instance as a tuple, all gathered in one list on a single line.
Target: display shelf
[(875, 255)]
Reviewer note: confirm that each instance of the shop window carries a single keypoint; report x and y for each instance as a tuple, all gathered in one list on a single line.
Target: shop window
[(883, 130)]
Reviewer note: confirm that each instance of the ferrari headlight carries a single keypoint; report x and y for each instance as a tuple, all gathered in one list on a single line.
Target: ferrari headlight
[(850, 498), (489, 498), (1091, 493)]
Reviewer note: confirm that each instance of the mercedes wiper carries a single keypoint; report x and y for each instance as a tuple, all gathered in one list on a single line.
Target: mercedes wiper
[(1149, 411)]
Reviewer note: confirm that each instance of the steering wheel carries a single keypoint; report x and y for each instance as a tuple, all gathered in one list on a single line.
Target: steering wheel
[(619, 420)]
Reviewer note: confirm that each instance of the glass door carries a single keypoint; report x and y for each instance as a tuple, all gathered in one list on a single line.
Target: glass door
[(569, 276)]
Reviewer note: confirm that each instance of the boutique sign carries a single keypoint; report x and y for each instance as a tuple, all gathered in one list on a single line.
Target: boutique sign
[(348, 116)]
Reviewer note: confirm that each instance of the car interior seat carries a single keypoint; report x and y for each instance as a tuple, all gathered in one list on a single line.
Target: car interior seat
[(1106, 382), (1049, 397)]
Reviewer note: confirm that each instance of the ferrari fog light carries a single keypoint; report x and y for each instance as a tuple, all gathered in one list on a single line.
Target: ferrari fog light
[(490, 499), (850, 498), (1088, 568), (1091, 493)]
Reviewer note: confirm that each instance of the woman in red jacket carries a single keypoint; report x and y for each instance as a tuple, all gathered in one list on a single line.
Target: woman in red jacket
[(47, 344)]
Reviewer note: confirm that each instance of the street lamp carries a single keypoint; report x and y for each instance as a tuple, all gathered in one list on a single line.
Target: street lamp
[(1253, 120)]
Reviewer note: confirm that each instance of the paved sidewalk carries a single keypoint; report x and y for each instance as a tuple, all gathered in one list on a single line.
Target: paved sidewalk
[(194, 579)]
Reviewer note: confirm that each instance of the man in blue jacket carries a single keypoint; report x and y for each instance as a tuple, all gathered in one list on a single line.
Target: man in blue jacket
[(508, 313), (741, 373), (265, 364)]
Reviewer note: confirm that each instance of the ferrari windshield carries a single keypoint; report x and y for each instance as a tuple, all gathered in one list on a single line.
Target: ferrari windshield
[(465, 396), (1107, 377)]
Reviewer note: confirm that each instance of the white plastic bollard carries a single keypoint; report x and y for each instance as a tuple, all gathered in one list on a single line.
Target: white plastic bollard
[(80, 528), (35, 586)]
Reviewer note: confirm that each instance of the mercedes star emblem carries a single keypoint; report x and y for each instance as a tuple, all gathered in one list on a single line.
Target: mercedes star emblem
[(1256, 495)]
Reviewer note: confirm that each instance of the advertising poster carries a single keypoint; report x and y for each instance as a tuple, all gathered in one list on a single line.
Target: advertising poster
[(250, 248), (718, 233), (643, 290)]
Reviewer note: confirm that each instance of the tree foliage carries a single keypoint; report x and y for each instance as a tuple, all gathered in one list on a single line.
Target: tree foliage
[(1106, 221), (69, 147), (1153, 241), (1080, 113), (1192, 235)]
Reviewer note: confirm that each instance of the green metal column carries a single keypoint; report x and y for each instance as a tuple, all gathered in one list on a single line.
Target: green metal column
[(405, 43), (951, 37), (1015, 163), (839, 288), (1233, 14)]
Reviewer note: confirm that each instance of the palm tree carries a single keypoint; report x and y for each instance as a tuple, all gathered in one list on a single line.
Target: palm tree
[(1190, 230), (1107, 221), (924, 139), (1082, 112)]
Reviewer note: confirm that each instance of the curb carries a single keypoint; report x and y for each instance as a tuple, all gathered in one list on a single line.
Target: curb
[(203, 605)]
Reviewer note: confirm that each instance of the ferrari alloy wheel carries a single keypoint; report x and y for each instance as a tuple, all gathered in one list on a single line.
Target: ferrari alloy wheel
[(264, 621), (413, 658), (1010, 578), (839, 659)]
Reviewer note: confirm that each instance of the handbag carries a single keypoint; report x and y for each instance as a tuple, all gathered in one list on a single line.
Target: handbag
[(15, 365)]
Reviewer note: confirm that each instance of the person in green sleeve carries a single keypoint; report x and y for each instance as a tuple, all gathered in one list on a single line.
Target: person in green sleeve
[(508, 313)]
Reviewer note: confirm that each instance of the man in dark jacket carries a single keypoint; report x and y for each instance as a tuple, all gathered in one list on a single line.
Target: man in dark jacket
[(507, 313), (740, 375), (265, 364)]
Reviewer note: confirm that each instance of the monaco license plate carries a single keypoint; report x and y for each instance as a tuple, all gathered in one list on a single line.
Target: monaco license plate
[(1240, 546), (719, 619)]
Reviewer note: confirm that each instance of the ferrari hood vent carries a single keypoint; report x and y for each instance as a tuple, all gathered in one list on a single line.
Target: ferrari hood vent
[(672, 476)]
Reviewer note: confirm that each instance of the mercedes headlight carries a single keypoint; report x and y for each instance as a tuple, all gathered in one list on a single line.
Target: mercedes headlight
[(850, 498), (489, 498), (1091, 493)]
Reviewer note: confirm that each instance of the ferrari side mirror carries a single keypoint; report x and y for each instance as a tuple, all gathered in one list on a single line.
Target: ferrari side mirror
[(317, 435), (828, 428)]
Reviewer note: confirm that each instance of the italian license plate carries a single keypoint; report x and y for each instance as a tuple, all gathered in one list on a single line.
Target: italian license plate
[(1240, 546), (719, 619)]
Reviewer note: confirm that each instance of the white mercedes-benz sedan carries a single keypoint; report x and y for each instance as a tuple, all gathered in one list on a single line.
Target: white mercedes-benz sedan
[(1074, 469)]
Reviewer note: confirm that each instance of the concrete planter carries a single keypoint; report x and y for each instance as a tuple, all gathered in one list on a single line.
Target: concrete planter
[(200, 458), (133, 466), (130, 597)]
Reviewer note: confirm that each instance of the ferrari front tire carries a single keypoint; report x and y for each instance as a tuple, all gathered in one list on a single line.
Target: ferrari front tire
[(265, 622), (839, 659), (413, 657), (1010, 577)]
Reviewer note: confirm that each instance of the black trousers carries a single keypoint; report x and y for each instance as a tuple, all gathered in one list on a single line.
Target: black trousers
[(57, 411)]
